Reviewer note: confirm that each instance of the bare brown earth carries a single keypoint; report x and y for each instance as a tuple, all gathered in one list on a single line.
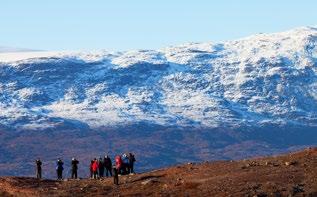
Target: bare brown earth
[(294, 174)]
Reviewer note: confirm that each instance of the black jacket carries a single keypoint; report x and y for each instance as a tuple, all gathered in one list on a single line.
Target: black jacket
[(75, 164), (131, 159), (107, 162), (38, 164)]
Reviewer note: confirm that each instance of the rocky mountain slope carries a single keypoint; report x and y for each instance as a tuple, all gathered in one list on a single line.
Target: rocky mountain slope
[(198, 101), (265, 79), (287, 175)]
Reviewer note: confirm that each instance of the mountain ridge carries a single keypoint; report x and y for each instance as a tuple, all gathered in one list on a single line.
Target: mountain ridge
[(255, 80), (249, 97)]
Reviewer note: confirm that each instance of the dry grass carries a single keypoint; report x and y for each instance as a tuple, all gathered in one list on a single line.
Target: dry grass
[(287, 175)]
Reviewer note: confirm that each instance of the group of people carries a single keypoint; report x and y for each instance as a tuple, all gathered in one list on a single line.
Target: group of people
[(98, 167), (124, 164)]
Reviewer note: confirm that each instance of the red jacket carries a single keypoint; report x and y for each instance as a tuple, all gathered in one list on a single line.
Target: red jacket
[(118, 162), (95, 166)]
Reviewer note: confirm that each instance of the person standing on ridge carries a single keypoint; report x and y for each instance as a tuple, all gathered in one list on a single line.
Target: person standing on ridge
[(90, 168), (101, 167), (74, 163), (59, 169), (38, 163), (108, 165), (95, 167), (125, 164), (131, 163), (115, 175), (119, 166)]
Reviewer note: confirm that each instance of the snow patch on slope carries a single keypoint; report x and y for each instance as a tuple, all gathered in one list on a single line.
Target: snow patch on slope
[(258, 80)]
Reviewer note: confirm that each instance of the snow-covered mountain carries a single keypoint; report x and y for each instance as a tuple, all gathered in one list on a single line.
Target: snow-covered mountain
[(265, 79)]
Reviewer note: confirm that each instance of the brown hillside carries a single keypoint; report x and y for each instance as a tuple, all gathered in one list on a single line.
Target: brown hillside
[(293, 174)]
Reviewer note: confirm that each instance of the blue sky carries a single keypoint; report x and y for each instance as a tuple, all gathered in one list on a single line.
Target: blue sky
[(143, 24)]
